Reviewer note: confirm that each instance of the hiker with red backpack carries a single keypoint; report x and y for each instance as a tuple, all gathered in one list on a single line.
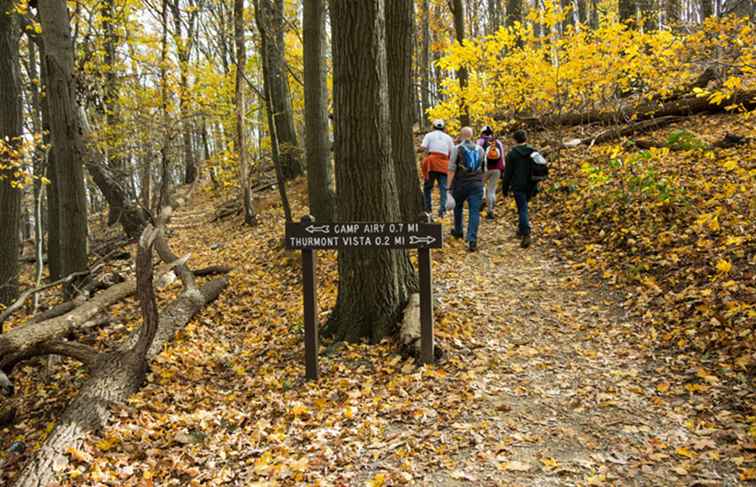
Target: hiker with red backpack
[(494, 150), (466, 170), (438, 146), (524, 169)]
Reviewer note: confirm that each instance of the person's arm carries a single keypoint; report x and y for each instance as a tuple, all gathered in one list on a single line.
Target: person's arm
[(452, 167), (507, 177)]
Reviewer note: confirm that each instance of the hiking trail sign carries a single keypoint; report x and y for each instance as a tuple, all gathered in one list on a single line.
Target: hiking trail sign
[(309, 236)]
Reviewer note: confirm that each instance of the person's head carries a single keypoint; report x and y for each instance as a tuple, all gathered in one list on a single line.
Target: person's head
[(487, 131), (439, 124), (466, 133), (520, 136)]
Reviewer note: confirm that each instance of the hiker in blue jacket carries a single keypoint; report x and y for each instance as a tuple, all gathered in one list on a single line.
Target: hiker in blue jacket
[(466, 169)]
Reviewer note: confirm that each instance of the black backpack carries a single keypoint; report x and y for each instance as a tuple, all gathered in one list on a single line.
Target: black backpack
[(539, 167)]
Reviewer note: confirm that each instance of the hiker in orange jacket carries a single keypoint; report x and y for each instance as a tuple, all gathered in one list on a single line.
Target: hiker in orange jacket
[(439, 148)]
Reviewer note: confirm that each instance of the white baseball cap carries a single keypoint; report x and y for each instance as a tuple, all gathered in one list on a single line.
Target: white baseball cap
[(439, 124)]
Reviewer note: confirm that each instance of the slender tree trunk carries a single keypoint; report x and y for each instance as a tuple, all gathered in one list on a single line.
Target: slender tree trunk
[(65, 135), (707, 8), (594, 14), (672, 8), (372, 288), (459, 29), (10, 133), (627, 10), (319, 170), (53, 214), (514, 12), (183, 49), (269, 17), (241, 107)]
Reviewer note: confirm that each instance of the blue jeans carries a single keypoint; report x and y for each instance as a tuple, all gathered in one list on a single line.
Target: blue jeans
[(521, 198), (428, 190), (473, 193)]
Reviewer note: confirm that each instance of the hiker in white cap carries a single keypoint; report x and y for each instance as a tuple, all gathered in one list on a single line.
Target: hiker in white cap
[(439, 147)]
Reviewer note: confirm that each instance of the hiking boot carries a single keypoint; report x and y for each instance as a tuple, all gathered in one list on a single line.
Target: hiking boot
[(525, 243), (455, 234), (490, 216), (472, 246)]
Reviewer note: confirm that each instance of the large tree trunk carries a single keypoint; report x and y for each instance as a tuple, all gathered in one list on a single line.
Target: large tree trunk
[(241, 107), (10, 133), (399, 26), (372, 288), (269, 15), (65, 135), (425, 65), (459, 28), (319, 168)]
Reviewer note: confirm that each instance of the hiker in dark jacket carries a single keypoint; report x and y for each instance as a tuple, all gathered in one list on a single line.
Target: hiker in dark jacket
[(517, 178)]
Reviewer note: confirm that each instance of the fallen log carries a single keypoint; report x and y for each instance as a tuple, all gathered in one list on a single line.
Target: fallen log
[(17, 343), (683, 106), (27, 294), (114, 375), (619, 132)]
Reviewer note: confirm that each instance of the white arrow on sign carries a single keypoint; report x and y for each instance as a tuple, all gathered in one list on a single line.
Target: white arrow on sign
[(320, 229), (423, 240)]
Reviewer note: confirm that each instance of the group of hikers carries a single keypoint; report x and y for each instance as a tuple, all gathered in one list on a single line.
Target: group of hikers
[(471, 169)]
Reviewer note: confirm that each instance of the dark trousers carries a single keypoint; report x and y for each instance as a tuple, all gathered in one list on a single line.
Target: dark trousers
[(428, 190), (523, 226)]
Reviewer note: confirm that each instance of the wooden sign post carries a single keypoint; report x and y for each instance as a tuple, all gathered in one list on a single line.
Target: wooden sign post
[(309, 236)]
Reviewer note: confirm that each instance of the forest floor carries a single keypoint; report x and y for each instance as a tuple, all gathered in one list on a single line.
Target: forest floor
[(549, 377)]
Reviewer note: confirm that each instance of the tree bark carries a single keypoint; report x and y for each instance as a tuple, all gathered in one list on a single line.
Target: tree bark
[(372, 288), (10, 133), (707, 8), (66, 136), (514, 12), (672, 10), (459, 28), (317, 146), (250, 218), (594, 14), (425, 65), (627, 10), (269, 17), (399, 26)]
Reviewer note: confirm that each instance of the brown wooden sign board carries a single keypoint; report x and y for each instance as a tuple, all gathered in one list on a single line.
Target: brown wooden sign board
[(309, 236)]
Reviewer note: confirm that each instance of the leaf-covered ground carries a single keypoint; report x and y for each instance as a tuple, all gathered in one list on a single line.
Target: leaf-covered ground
[(551, 376)]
